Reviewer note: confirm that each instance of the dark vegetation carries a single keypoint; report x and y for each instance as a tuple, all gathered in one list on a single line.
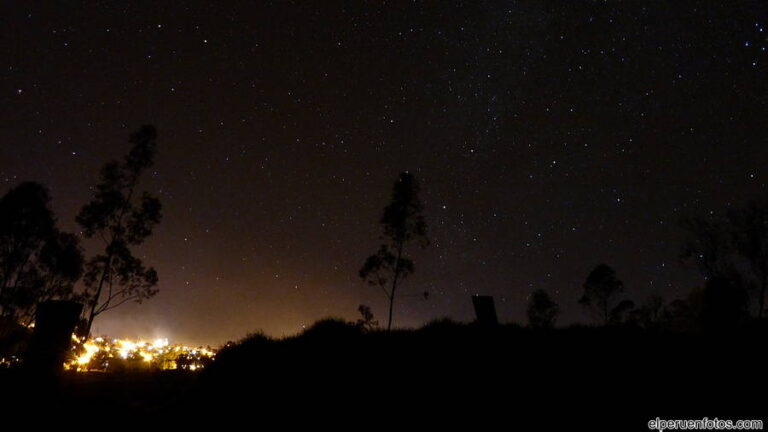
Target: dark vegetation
[(38, 262), (446, 372)]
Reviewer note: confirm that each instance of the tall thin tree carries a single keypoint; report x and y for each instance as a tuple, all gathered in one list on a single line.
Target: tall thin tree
[(121, 217), (403, 224)]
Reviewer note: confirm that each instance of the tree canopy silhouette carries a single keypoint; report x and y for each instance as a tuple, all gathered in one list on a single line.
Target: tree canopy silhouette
[(600, 288), (542, 310), (750, 242), (366, 320), (732, 246), (120, 216), (403, 224), (649, 313), (724, 305), (38, 262)]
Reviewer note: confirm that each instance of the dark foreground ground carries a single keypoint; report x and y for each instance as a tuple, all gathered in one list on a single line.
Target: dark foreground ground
[(444, 375)]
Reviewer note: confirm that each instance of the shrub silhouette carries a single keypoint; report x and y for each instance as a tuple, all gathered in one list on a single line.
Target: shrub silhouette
[(724, 306), (542, 311)]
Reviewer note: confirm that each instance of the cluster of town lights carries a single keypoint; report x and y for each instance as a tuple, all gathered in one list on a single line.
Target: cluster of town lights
[(103, 354)]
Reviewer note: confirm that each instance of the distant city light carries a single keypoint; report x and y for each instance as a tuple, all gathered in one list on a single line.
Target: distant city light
[(103, 354)]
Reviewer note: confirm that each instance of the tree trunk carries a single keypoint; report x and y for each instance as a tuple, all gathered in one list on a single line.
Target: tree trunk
[(761, 300), (95, 303), (394, 285)]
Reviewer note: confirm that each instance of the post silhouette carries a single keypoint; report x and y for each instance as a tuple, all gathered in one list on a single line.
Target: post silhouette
[(54, 324), (485, 310)]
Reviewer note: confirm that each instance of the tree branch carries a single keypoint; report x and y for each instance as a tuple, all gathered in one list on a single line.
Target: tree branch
[(126, 299)]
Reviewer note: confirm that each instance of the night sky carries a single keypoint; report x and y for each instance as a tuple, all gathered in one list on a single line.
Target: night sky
[(548, 137)]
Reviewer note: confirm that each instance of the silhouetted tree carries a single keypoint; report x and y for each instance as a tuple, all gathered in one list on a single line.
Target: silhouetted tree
[(600, 287), (620, 312), (680, 315), (654, 304), (403, 223), (649, 314), (749, 236), (708, 245), (733, 246), (366, 321), (720, 306), (121, 217), (542, 311), (37, 261), (724, 305)]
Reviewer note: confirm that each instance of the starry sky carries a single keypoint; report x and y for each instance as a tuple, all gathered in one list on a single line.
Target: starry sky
[(548, 137)]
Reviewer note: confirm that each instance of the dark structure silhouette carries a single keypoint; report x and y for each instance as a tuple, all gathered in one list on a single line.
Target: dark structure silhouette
[(485, 310), (52, 338)]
